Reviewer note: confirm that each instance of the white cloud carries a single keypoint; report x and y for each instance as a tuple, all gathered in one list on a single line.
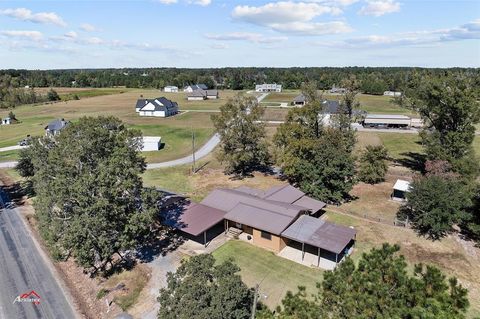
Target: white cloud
[(466, 31), (71, 35), (167, 1), (88, 27), (32, 35), (312, 28), (245, 36), (93, 40), (292, 17), (219, 46), (379, 8), (202, 3), (40, 17)]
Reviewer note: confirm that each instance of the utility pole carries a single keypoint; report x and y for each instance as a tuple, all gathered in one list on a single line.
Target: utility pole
[(255, 300), (193, 151)]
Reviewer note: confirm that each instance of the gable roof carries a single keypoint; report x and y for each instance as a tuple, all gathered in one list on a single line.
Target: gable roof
[(158, 104), (300, 99), (197, 93), (402, 185), (286, 193), (260, 218), (199, 86), (56, 125), (194, 218), (331, 106)]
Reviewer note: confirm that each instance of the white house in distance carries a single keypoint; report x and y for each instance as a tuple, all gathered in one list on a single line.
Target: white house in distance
[(151, 143), (170, 89), (194, 87), (159, 107), (6, 121), (272, 87), (392, 93), (400, 188)]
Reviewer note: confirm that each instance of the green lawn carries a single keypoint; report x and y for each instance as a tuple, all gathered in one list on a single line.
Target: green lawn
[(286, 96), (276, 275), (9, 156), (399, 145), (375, 104), (92, 93)]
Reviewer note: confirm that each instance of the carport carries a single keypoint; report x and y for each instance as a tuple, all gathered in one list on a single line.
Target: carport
[(196, 219), (334, 240)]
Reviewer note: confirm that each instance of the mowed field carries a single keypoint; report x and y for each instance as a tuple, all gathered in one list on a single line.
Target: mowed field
[(176, 131)]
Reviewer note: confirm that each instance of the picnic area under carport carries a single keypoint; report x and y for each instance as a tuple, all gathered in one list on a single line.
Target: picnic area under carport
[(316, 242)]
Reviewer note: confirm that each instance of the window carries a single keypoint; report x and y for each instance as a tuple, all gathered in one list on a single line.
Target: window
[(266, 235)]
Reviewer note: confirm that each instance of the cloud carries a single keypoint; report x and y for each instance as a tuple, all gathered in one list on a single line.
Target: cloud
[(167, 1), (31, 35), (245, 36), (88, 27), (219, 46), (379, 8), (202, 3), (292, 17), (466, 31), (40, 17)]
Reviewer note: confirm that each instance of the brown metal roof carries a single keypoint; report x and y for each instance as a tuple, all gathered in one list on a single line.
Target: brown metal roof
[(259, 218), (310, 203), (194, 218), (286, 193), (226, 199), (320, 233)]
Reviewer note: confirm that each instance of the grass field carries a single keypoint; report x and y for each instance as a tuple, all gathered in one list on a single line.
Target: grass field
[(276, 275)]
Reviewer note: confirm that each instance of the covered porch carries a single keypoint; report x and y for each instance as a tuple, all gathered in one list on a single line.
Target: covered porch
[(318, 243)]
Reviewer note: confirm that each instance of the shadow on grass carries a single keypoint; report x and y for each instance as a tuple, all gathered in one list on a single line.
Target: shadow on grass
[(414, 161)]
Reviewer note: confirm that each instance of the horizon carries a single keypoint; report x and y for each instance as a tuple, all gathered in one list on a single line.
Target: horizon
[(55, 35)]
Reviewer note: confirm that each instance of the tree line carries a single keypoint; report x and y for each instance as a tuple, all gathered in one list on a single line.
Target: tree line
[(371, 80)]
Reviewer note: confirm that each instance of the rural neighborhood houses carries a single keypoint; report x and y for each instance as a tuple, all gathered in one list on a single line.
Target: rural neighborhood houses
[(392, 93), (273, 87), (194, 87), (199, 95), (170, 89), (53, 128), (159, 107), (282, 219)]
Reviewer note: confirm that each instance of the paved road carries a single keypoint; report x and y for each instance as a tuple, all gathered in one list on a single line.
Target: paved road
[(202, 152), (23, 268), (11, 148)]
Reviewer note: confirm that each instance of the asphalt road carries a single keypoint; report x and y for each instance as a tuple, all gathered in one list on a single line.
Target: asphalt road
[(202, 152), (23, 269)]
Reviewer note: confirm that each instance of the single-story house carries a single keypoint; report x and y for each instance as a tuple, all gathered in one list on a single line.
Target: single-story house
[(400, 189), (338, 90), (268, 219), (193, 87), (299, 100), (159, 107), (171, 89), (151, 143), (53, 128), (6, 121), (211, 94), (392, 93), (197, 95), (272, 87)]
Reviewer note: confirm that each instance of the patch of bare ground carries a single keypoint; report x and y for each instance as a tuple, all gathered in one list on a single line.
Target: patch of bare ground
[(373, 201)]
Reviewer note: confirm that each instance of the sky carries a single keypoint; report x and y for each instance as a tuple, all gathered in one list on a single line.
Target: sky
[(235, 33)]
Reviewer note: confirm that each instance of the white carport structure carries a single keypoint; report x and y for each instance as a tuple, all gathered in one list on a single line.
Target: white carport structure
[(400, 188)]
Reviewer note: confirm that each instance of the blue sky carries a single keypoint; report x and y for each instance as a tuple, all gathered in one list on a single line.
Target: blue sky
[(218, 33)]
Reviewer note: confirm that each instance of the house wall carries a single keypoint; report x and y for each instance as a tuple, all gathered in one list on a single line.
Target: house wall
[(212, 97), (275, 244), (152, 113), (194, 98)]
